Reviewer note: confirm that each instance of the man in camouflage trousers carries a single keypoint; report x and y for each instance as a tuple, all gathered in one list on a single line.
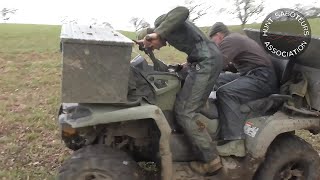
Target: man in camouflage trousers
[(205, 64)]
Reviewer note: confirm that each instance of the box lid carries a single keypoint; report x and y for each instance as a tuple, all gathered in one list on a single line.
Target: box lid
[(93, 35)]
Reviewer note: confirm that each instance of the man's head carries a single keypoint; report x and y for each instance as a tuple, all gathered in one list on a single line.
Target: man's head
[(153, 41), (217, 32)]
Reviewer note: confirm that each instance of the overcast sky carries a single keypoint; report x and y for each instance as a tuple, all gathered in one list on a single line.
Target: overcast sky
[(119, 12)]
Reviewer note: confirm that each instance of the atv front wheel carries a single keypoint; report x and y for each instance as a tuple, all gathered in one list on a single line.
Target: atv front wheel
[(290, 158), (74, 142), (99, 162)]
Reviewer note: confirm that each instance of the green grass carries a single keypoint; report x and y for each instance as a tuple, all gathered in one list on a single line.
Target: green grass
[(17, 38), (30, 66), (30, 71)]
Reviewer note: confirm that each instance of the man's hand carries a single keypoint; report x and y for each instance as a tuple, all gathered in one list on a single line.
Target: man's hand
[(185, 65), (230, 67), (152, 41), (139, 42), (175, 67), (179, 67), (152, 36), (140, 45)]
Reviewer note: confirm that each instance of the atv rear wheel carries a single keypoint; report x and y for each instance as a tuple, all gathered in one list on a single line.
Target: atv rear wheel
[(290, 158), (99, 162)]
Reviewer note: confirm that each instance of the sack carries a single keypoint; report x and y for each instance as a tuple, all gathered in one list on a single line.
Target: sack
[(138, 87), (297, 87)]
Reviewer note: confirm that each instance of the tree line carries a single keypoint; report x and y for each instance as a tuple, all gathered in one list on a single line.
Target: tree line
[(243, 10)]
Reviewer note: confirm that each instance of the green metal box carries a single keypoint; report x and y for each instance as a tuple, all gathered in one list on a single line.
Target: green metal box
[(95, 64)]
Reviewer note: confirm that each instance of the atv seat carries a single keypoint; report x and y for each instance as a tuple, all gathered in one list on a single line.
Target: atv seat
[(262, 106)]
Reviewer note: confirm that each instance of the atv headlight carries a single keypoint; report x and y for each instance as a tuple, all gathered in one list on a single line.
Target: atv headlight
[(66, 129)]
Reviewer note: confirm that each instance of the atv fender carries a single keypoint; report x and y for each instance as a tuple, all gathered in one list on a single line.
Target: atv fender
[(104, 114), (261, 131)]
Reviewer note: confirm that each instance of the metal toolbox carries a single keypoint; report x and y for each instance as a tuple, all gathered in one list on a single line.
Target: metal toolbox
[(95, 63)]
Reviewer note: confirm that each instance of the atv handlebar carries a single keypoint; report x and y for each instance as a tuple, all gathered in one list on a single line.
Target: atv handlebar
[(157, 64)]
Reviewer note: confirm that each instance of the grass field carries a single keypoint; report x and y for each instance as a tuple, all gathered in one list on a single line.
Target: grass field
[(30, 71), (30, 147)]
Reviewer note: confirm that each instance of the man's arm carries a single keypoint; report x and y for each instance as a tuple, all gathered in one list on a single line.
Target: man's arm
[(229, 50), (165, 24)]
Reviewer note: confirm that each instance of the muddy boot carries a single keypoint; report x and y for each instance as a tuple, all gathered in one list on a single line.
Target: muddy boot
[(235, 148), (206, 168)]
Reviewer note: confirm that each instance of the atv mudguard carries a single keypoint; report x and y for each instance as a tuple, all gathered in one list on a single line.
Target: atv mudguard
[(104, 114), (261, 131)]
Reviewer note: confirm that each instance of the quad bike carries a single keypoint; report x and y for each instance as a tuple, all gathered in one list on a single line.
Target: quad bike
[(110, 139)]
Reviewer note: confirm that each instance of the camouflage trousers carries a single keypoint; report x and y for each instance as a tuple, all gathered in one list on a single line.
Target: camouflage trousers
[(192, 97)]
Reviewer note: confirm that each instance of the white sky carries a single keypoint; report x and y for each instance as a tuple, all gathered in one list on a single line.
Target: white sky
[(119, 12)]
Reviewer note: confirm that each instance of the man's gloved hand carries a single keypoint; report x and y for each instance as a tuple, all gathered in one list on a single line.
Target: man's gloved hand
[(230, 67), (175, 67), (180, 69)]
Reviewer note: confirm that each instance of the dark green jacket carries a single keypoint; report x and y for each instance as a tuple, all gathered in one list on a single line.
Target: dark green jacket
[(184, 35)]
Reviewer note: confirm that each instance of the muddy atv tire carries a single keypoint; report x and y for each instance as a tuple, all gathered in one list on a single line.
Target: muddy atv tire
[(99, 162), (290, 158)]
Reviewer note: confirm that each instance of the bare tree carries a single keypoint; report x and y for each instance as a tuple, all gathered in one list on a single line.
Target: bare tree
[(68, 20), (197, 9), (94, 21), (247, 9), (308, 11), (5, 12), (139, 23), (97, 22), (106, 24)]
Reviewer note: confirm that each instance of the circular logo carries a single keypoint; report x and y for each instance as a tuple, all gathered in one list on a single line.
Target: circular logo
[(285, 33)]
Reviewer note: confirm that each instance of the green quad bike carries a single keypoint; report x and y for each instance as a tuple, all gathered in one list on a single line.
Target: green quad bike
[(110, 140)]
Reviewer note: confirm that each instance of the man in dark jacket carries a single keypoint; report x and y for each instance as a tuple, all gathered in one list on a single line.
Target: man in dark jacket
[(256, 79), (205, 63)]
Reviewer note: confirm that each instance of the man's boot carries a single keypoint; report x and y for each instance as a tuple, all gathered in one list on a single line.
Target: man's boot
[(235, 148), (206, 168)]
